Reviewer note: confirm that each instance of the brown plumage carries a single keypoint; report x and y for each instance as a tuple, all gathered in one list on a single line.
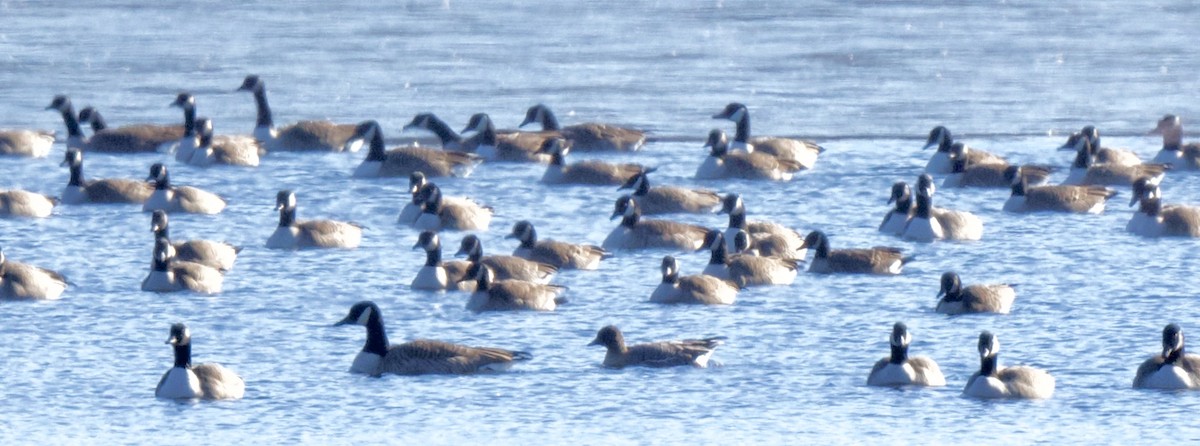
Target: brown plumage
[(404, 161), (510, 295), (506, 267), (115, 190), (637, 233), (1076, 199), (219, 255), (138, 138), (768, 238), (1103, 155), (700, 289), (722, 163), (802, 152), (21, 203), (590, 172), (313, 135), (31, 143), (996, 173), (496, 145), (551, 252), (228, 150), (691, 352), (669, 199), (1186, 367), (878, 260), (954, 298), (588, 136), (20, 281)]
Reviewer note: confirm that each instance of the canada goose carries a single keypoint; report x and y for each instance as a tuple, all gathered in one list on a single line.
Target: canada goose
[(768, 238), (450, 140), (460, 215), (219, 255), (30, 143), (170, 275), (721, 163), (954, 298), (421, 356), (412, 209), (301, 234), (589, 172), (209, 381), (1174, 152), (1102, 155), (22, 203), (589, 136), (989, 174), (510, 295), (562, 255), (20, 281), (1075, 199), (897, 219), (301, 136), (992, 381), (436, 275), (637, 233), (701, 289), (802, 152), (1085, 171), (898, 369), (191, 137), (746, 270), (403, 161), (669, 199), (1153, 219), (136, 138), (930, 223), (940, 162), (693, 352), (113, 190), (75, 138), (227, 150), (505, 267), (1174, 369), (513, 146), (179, 199), (881, 260)]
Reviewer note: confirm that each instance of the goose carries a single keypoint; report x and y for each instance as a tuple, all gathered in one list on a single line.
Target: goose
[(191, 137), (460, 215), (62, 105), (450, 140), (637, 233), (112, 190), (179, 199), (954, 298), (940, 162), (1073, 199), (898, 369), (1174, 369), (404, 161), (703, 289), (22, 203), (421, 356), (505, 267), (768, 238), (225, 150), (136, 138), (897, 218), (589, 136), (561, 255), (746, 270), (302, 136), (208, 381), (930, 223), (1102, 155), (436, 275), (20, 281), (993, 382), (721, 163), (1174, 152), (689, 352), (1086, 172), (669, 199), (412, 209), (512, 146), (219, 255), (988, 174), (301, 234), (28, 143), (1153, 219), (510, 295), (591, 172), (881, 260), (802, 152), (169, 275)]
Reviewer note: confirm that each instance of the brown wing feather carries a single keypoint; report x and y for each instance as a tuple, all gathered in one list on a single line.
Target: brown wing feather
[(670, 353), (706, 290), (670, 234), (116, 190), (601, 173), (513, 267), (403, 161), (801, 151), (197, 277), (313, 135), (566, 255), (236, 150), (1181, 221), (1066, 198), (424, 356), (218, 382), (329, 234), (134, 138), (606, 137), (669, 199), (200, 201)]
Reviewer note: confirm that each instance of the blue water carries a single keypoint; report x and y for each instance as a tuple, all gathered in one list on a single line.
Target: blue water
[(866, 79)]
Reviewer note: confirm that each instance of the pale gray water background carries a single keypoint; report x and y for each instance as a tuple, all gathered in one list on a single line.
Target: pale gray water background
[(867, 79)]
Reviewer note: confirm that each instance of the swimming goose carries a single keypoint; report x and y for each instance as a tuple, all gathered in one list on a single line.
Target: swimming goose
[(721, 163), (1085, 171), (898, 369), (953, 298), (930, 223), (746, 270), (209, 381), (20, 281), (1174, 369), (802, 152), (990, 174), (669, 199), (169, 275), (703, 289), (589, 136), (1174, 152), (462, 214), (510, 295), (219, 255), (1102, 155), (511, 146), (637, 233), (300, 234), (559, 254), (897, 219), (505, 267), (768, 238), (1075, 199), (693, 352), (22, 203), (940, 162), (403, 161), (435, 274), (136, 138), (880, 260), (412, 209), (191, 138), (179, 199), (1153, 219), (301, 136), (113, 190), (450, 139), (30, 143), (588, 172), (992, 381), (421, 356), (225, 149)]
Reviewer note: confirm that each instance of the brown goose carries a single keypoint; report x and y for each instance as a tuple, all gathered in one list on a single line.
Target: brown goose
[(404, 161), (743, 269), (225, 149), (1102, 155), (589, 136), (880, 260), (669, 199), (940, 162), (436, 275), (1153, 219), (1174, 152), (20, 281), (560, 254), (1174, 369), (800, 151), (722, 163), (30, 143), (510, 295), (591, 172), (690, 352), (505, 267), (702, 289), (209, 381), (219, 255), (462, 214), (954, 298), (301, 136), (114, 190), (22, 203), (303, 234), (1075, 199), (995, 382), (768, 238), (899, 369), (137, 138), (492, 145), (637, 233), (1085, 171), (169, 275), (897, 218), (169, 198), (995, 174)]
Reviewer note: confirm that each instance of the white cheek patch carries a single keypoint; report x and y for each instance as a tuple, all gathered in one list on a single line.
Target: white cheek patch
[(291, 201), (362, 318), (738, 115)]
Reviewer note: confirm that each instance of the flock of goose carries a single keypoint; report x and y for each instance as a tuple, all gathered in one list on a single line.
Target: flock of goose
[(747, 253)]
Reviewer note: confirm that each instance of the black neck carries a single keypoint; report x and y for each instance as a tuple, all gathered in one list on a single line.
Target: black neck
[(737, 219), (1082, 158), (206, 139), (189, 120), (183, 355), (671, 277), (530, 241), (482, 283), (163, 183), (1175, 146), (959, 165), (76, 175), (718, 253), (97, 121), (630, 220), (643, 187), (264, 109), (945, 143), (377, 341), (822, 249), (1173, 356), (557, 158), (987, 365), (287, 216), (163, 231), (72, 123), (743, 128), (433, 257), (899, 354), (924, 206), (903, 205), (433, 204), (549, 121), (1018, 188), (443, 132), (487, 136), (159, 264), (376, 151)]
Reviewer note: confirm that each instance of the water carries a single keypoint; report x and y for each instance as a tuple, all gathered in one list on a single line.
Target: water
[(868, 80)]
